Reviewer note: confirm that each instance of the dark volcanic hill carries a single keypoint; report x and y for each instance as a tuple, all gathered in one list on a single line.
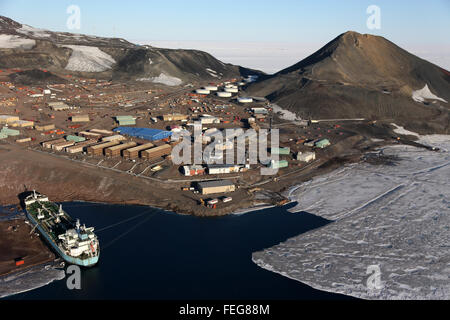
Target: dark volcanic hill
[(25, 47), (362, 76)]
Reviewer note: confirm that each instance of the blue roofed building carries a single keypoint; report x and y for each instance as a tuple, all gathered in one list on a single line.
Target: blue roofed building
[(144, 133)]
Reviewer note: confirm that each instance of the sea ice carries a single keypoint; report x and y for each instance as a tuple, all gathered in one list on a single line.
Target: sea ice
[(392, 219)]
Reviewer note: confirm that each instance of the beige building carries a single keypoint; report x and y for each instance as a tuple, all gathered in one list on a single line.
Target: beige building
[(213, 187), (81, 118)]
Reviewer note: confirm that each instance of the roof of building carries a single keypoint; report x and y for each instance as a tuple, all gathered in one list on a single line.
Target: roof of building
[(216, 183), (144, 133)]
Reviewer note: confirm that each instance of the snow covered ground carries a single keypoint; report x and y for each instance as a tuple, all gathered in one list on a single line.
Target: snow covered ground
[(88, 59), (32, 279), (163, 79), (425, 94), (285, 114), (394, 219), (34, 32), (8, 41), (402, 131)]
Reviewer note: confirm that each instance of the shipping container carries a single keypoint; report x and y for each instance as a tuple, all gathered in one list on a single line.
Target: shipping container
[(62, 145), (133, 153), (116, 151), (97, 150), (90, 135), (155, 153), (49, 144), (81, 146)]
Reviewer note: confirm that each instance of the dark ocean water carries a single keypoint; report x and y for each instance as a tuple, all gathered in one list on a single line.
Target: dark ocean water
[(161, 255)]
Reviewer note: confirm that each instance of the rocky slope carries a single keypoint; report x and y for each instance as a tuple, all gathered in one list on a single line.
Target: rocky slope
[(365, 76), (25, 47)]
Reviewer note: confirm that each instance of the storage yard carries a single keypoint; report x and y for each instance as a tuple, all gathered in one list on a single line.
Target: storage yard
[(131, 128)]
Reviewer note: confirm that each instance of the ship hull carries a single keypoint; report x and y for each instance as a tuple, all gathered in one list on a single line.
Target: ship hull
[(90, 262)]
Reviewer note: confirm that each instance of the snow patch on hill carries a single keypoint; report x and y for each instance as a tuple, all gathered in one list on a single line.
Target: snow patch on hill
[(88, 59), (403, 131), (8, 41), (163, 79), (34, 32), (425, 94)]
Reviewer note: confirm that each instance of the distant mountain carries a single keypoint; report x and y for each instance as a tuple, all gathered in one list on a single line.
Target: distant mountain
[(25, 47), (367, 76)]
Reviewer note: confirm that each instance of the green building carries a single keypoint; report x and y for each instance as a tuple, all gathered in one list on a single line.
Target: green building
[(322, 143), (126, 120), (278, 164), (280, 151), (75, 138), (10, 132)]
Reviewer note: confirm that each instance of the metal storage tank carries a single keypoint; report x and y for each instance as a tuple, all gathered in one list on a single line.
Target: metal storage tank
[(231, 90), (202, 91), (224, 94), (245, 100)]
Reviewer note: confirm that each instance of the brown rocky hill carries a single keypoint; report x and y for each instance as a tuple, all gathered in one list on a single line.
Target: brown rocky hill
[(25, 47), (363, 76)]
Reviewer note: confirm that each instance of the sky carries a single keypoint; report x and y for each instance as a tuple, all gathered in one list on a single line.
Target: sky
[(260, 30)]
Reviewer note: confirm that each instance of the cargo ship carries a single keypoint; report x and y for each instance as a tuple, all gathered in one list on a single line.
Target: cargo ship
[(75, 243)]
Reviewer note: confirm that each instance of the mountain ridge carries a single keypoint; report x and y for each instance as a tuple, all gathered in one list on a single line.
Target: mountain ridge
[(25, 47)]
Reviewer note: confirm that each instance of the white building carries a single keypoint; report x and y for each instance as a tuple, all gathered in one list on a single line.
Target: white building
[(306, 156)]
